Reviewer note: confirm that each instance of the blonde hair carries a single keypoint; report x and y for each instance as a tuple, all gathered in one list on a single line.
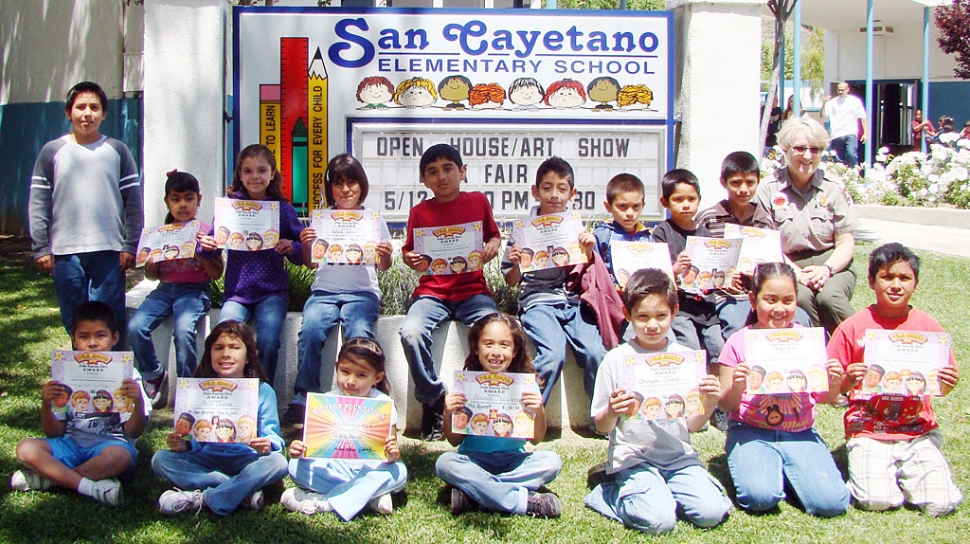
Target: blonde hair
[(633, 94), (816, 133), (415, 82)]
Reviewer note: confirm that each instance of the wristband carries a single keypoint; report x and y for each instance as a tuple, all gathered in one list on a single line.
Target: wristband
[(831, 270)]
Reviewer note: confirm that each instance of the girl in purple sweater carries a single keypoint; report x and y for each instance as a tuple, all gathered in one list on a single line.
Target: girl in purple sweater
[(256, 281)]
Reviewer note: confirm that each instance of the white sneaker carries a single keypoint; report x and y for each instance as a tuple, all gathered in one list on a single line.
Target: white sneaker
[(382, 504), (253, 502), (177, 501), (28, 480), (108, 491), (296, 499)]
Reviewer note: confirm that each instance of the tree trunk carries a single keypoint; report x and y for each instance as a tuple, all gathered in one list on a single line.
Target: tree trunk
[(773, 81)]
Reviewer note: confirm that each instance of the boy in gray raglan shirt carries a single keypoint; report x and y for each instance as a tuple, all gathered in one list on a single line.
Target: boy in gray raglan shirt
[(86, 208)]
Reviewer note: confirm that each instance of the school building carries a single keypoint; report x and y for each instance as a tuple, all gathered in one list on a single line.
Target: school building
[(167, 66)]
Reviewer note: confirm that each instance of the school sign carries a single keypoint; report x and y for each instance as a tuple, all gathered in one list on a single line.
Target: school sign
[(507, 88)]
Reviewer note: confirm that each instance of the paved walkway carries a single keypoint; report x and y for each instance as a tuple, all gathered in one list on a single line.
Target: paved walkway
[(945, 240)]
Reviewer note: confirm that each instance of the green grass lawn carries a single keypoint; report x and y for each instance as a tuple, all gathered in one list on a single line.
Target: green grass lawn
[(30, 328)]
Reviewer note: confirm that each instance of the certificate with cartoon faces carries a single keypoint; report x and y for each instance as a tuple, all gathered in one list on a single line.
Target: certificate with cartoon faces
[(493, 404), (167, 242), (758, 246), (549, 241), (903, 363), (628, 257), (712, 263), (341, 427), (665, 385), (220, 410), (449, 249), (784, 361), (247, 225), (345, 236), (92, 381)]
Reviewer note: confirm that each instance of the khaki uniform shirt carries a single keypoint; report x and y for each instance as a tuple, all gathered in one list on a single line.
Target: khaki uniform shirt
[(810, 220)]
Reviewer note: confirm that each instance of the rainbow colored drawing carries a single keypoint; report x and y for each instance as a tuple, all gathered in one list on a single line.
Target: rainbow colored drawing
[(339, 427)]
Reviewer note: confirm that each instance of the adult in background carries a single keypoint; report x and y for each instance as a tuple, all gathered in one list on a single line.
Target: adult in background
[(844, 113), (922, 128), (816, 221)]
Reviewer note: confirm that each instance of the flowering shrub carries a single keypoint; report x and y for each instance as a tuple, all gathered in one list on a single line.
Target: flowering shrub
[(940, 177)]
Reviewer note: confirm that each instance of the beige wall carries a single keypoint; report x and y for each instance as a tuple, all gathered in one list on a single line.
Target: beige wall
[(49, 46)]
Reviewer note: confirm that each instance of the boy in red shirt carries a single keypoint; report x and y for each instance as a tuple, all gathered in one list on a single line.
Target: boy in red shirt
[(898, 458), (462, 296)]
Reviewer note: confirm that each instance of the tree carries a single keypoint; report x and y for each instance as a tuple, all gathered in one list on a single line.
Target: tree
[(782, 10), (954, 23), (652, 5), (813, 56)]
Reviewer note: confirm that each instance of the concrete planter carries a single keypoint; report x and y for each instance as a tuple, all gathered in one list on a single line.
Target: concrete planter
[(568, 408)]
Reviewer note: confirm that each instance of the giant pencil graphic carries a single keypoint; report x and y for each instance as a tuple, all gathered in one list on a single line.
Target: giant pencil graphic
[(317, 127)]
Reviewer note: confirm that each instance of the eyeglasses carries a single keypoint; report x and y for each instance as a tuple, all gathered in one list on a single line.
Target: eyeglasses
[(801, 149)]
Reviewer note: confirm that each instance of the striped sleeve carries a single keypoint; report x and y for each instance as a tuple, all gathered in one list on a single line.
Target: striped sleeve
[(40, 201), (129, 183)]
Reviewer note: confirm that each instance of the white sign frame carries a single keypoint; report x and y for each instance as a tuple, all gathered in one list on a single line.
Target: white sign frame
[(586, 48)]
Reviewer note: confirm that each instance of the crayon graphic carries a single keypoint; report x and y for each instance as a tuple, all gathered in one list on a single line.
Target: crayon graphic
[(269, 115), (299, 166)]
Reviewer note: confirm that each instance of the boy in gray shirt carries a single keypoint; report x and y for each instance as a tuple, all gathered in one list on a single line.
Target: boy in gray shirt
[(85, 208), (652, 471)]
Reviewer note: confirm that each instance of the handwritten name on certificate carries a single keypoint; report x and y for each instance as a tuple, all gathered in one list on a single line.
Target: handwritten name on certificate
[(628, 257), (549, 241), (340, 427), (450, 249), (903, 363), (247, 225), (665, 384), (758, 246), (167, 242), (92, 380), (786, 360), (494, 406), (217, 409), (345, 236), (712, 263)]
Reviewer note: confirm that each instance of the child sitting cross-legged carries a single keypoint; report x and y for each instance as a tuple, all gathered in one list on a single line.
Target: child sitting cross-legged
[(492, 472), (346, 486), (89, 451)]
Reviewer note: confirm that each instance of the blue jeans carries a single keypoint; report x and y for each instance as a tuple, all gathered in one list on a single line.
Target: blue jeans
[(224, 481), (846, 149), (733, 314), (188, 302), (499, 481), (694, 336), (348, 485), (90, 276), (760, 461), (551, 326), (424, 316), (270, 313), (356, 312), (648, 499)]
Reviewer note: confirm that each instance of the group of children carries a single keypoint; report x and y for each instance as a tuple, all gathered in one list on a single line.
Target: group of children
[(652, 476)]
